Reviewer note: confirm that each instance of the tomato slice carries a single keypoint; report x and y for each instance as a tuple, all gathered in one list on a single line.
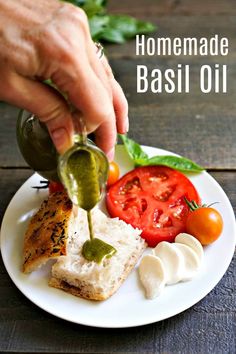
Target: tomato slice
[(151, 198)]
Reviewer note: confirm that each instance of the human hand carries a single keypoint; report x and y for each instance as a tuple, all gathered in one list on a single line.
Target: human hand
[(51, 39)]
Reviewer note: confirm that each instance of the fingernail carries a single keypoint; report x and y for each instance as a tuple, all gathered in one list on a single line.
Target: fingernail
[(111, 154), (61, 139), (127, 125)]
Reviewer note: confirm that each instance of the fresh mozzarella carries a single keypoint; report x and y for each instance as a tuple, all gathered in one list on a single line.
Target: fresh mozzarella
[(192, 242), (172, 260), (152, 275), (170, 263), (191, 261)]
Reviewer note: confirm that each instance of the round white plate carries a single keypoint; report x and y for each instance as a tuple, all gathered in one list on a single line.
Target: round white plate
[(128, 307)]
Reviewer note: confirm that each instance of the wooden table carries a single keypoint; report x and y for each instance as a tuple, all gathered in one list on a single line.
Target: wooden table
[(200, 126)]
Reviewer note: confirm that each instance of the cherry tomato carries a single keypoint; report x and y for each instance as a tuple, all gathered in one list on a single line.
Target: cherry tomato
[(151, 198), (55, 187), (205, 224), (113, 173)]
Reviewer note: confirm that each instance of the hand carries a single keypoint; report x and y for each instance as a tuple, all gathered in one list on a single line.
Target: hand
[(51, 39)]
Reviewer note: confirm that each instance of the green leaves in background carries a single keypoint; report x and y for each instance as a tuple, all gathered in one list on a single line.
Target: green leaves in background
[(120, 28), (111, 28), (140, 158)]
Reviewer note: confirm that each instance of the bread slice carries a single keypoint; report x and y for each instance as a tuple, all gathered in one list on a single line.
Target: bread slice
[(90, 280), (56, 231), (48, 231)]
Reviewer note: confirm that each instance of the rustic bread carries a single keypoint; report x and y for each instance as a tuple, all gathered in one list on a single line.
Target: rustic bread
[(48, 231), (90, 280), (55, 231)]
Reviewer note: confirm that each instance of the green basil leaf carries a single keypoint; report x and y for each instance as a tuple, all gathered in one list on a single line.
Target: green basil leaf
[(140, 158), (178, 163), (121, 28), (129, 26), (93, 8), (134, 150), (113, 36), (97, 25)]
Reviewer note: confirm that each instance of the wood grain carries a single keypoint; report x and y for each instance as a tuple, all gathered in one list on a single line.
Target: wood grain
[(173, 7), (11, 180), (196, 125), (9, 152)]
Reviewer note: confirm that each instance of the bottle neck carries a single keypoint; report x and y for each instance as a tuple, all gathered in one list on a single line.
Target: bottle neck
[(80, 138)]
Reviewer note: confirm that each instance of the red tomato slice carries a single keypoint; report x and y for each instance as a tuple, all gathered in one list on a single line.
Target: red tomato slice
[(151, 198)]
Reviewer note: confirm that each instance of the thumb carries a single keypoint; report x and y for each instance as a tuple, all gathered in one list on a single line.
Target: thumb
[(43, 101)]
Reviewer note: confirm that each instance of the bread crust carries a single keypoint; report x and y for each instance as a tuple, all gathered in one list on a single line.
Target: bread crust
[(47, 232), (87, 291)]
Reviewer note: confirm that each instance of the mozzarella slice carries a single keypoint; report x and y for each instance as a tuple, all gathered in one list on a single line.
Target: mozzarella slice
[(172, 260), (152, 275), (191, 261), (192, 242)]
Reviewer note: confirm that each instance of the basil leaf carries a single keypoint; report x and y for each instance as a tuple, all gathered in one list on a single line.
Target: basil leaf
[(113, 36), (97, 25), (178, 163), (129, 26), (134, 150), (120, 28), (93, 7), (140, 158)]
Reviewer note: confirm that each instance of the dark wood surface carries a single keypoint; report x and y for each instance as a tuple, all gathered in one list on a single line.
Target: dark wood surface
[(202, 127)]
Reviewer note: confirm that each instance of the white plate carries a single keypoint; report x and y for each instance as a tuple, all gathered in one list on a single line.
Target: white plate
[(128, 307)]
